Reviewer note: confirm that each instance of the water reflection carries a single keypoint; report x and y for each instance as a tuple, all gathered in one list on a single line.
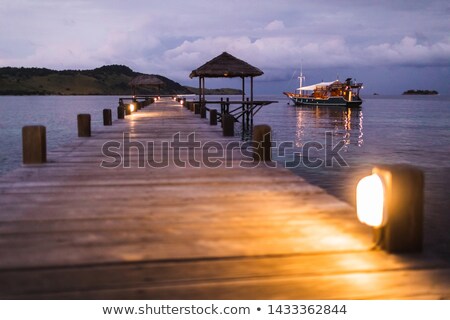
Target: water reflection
[(345, 123)]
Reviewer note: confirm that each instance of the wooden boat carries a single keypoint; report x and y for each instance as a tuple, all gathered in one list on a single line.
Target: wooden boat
[(334, 93)]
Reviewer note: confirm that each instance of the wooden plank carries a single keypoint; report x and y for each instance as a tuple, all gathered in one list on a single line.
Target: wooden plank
[(427, 284), (97, 278)]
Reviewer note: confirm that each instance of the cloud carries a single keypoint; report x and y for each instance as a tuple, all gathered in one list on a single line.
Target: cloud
[(278, 54), (172, 38), (275, 25), (409, 52)]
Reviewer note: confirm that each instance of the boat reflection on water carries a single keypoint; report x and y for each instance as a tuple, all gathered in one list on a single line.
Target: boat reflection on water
[(346, 124)]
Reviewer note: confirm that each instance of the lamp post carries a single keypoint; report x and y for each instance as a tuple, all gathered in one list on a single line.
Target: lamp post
[(391, 201)]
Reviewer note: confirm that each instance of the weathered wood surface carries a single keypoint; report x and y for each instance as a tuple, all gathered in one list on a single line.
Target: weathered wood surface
[(71, 229)]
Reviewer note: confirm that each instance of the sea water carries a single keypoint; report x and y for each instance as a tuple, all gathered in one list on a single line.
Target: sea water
[(386, 130)]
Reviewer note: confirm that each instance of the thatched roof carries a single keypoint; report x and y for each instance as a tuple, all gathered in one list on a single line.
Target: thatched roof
[(226, 65), (146, 80)]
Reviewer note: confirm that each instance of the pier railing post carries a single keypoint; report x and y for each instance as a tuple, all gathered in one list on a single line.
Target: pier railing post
[(262, 137), (197, 108), (213, 117), (228, 125), (120, 112), (203, 111), (34, 144), (107, 117), (84, 125)]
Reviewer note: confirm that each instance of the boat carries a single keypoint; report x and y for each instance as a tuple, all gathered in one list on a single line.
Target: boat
[(334, 93)]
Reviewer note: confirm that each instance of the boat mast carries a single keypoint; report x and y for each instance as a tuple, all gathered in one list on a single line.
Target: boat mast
[(301, 77)]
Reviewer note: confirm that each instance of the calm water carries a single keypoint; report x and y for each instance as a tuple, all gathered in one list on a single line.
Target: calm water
[(386, 130), (57, 113), (414, 130)]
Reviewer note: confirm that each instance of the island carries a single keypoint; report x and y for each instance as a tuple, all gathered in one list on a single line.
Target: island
[(105, 80), (421, 92)]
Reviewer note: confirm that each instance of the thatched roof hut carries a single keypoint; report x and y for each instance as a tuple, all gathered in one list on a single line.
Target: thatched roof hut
[(146, 80), (226, 65)]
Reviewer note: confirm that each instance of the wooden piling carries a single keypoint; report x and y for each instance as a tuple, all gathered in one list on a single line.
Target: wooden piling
[(228, 125), (120, 112), (128, 110), (213, 117), (262, 137), (34, 145), (107, 117), (197, 108), (203, 111), (84, 125)]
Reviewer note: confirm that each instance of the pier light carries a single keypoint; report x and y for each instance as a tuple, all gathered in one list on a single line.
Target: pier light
[(391, 201), (370, 201), (131, 107)]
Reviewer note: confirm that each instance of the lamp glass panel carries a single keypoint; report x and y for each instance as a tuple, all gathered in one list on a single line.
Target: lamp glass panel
[(370, 201)]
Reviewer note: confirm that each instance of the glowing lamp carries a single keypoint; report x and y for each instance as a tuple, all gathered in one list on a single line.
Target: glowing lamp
[(370, 201), (391, 201), (131, 107)]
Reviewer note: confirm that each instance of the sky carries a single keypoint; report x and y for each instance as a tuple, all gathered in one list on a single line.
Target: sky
[(389, 45)]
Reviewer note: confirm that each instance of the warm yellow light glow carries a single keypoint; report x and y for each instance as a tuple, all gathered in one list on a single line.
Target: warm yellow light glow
[(181, 101), (131, 107), (370, 201)]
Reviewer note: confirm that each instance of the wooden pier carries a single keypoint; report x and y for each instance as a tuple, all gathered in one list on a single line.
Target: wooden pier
[(70, 229)]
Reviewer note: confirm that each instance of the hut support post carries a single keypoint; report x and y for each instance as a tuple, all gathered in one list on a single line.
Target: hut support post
[(243, 105), (251, 102), (199, 89), (203, 89)]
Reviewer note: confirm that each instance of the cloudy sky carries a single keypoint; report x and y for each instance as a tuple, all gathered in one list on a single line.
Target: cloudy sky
[(390, 45)]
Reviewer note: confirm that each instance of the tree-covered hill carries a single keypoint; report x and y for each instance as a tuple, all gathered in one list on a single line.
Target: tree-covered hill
[(106, 80)]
